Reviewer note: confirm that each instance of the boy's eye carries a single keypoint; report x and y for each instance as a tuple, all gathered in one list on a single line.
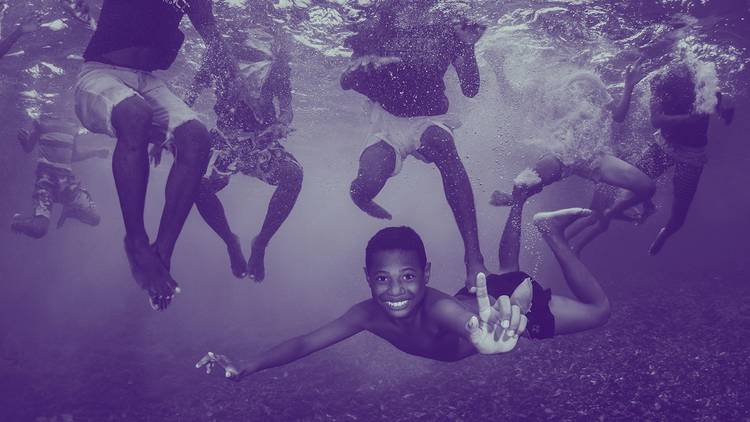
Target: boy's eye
[(409, 277), (381, 279)]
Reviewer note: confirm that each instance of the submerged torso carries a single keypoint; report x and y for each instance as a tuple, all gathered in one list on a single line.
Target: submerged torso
[(56, 143), (677, 95), (426, 47), (422, 337), (140, 34), (264, 74)]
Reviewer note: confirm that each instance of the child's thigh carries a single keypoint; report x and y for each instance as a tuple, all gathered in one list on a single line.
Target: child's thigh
[(617, 172)]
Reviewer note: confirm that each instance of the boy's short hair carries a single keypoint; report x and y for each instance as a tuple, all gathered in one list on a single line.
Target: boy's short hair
[(401, 238)]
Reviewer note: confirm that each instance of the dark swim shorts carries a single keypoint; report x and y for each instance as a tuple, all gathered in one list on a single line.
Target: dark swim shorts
[(541, 321)]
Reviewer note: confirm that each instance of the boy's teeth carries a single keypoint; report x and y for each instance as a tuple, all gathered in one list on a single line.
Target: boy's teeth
[(397, 304)]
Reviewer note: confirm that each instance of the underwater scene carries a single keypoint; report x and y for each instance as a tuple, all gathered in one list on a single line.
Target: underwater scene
[(439, 210)]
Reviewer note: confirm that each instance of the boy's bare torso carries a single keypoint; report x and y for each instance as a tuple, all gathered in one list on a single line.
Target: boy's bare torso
[(420, 335)]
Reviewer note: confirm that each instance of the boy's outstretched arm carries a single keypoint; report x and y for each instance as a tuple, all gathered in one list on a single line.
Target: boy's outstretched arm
[(467, 70), (347, 325), (660, 120), (220, 62), (465, 62), (633, 75)]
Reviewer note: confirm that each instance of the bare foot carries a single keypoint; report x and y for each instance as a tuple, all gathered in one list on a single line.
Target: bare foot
[(661, 238), (237, 258), (150, 273), (555, 222), (160, 302), (374, 210), (35, 227), (84, 215), (255, 265)]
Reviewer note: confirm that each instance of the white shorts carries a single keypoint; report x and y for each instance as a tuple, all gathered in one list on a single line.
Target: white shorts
[(404, 134), (590, 168), (101, 87)]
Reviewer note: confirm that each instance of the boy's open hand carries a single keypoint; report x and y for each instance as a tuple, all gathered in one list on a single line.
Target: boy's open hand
[(211, 360), (498, 326), (634, 73)]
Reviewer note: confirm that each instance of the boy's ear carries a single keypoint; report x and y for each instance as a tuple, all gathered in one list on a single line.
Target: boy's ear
[(367, 277), (427, 267)]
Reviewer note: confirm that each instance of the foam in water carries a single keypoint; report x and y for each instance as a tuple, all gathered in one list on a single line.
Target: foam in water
[(706, 82), (562, 107)]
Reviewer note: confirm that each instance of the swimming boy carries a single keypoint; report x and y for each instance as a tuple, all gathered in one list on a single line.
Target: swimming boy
[(117, 94), (426, 322), (399, 62), (683, 137), (595, 163), (248, 141), (56, 141)]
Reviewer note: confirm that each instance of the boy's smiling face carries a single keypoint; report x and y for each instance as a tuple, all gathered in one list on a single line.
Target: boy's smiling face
[(397, 281)]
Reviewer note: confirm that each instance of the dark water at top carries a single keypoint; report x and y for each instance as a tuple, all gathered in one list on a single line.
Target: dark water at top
[(78, 341)]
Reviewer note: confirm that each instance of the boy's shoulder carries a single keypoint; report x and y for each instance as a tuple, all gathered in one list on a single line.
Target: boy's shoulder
[(436, 302), (366, 312)]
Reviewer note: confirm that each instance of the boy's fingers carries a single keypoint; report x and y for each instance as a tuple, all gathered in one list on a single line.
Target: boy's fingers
[(204, 360), (473, 324), (515, 319), (483, 299), (502, 305), (522, 325)]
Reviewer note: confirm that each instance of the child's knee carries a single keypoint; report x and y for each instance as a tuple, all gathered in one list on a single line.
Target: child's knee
[(192, 142), (438, 145), (292, 176), (602, 312), (359, 190), (528, 182), (132, 120), (210, 186), (645, 187), (377, 161)]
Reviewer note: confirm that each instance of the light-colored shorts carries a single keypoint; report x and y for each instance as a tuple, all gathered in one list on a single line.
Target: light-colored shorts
[(589, 168), (404, 134), (101, 87)]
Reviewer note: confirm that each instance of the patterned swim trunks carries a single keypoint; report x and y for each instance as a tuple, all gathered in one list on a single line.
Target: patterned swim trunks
[(262, 157), (59, 186)]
